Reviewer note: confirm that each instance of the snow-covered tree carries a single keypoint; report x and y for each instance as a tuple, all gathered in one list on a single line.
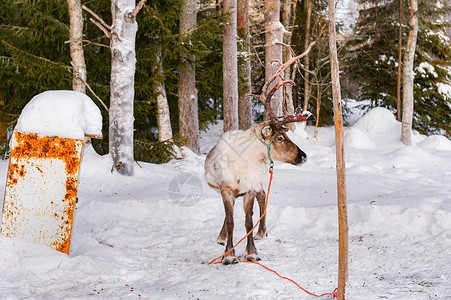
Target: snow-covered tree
[(123, 60)]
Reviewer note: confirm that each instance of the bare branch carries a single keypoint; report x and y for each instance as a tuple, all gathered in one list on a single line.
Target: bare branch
[(97, 17), (89, 43), (138, 7), (94, 43), (89, 87), (107, 33)]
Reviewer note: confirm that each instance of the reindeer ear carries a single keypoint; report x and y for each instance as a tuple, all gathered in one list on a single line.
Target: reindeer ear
[(266, 132)]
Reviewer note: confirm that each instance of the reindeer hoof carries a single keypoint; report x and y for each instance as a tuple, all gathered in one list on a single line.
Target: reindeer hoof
[(259, 236), (221, 241), (252, 257), (228, 260)]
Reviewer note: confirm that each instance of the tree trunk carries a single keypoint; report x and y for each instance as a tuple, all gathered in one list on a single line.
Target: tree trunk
[(123, 60), (244, 102), (188, 103), (273, 51), (407, 107), (230, 68), (163, 116), (76, 45), (318, 108), (288, 20), (307, 86), (398, 102), (341, 170)]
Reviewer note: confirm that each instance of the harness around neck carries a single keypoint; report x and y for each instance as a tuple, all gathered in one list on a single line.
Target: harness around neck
[(271, 162)]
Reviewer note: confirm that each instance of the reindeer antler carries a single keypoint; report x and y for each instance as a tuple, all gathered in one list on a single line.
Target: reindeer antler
[(265, 97)]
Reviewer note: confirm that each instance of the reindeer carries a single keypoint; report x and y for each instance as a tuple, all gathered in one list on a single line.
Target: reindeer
[(236, 165)]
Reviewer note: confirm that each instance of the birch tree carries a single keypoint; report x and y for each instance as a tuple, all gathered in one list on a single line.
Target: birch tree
[(288, 21), (407, 107), (307, 87), (398, 86), (76, 45), (187, 92), (244, 103), (123, 61), (230, 68), (273, 50), (163, 116)]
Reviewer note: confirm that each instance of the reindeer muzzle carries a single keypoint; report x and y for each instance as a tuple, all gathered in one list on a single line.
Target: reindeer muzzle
[(300, 158)]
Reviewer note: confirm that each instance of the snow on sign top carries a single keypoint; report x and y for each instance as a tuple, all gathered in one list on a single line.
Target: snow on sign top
[(66, 114)]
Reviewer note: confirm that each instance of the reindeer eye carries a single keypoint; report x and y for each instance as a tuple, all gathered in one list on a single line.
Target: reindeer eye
[(280, 138)]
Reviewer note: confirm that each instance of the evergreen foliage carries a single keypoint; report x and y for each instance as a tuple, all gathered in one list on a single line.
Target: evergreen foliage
[(373, 62), (34, 57)]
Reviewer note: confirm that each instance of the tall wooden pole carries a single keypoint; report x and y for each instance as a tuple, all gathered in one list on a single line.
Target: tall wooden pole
[(341, 175)]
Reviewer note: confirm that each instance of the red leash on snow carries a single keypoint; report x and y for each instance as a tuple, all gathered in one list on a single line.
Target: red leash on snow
[(334, 294)]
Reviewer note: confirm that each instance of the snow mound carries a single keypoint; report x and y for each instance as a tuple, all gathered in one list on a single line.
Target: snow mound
[(375, 129), (67, 114), (436, 142), (379, 120)]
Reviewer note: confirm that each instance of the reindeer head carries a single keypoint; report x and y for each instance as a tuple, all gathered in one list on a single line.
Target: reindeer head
[(281, 146), (273, 132)]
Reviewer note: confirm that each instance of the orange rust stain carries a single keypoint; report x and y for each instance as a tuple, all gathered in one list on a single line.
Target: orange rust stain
[(29, 145), (33, 145)]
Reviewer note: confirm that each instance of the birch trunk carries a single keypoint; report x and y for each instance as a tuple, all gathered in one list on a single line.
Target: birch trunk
[(341, 170), (307, 87), (407, 107), (244, 102), (123, 60), (398, 87), (188, 103), (163, 115), (273, 51), (288, 22), (76, 45), (230, 68)]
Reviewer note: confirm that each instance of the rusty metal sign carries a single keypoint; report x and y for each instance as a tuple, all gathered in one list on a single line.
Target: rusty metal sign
[(41, 189)]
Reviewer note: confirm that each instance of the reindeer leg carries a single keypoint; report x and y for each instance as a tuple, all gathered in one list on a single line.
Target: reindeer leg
[(228, 199), (248, 202), (261, 199)]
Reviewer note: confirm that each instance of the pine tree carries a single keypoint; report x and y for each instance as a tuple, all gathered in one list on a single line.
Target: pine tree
[(33, 55)]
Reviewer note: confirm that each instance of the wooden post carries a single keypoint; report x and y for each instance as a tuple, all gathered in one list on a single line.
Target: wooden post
[(341, 175)]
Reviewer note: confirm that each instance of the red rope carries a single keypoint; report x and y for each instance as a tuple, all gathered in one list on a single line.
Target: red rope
[(334, 294)]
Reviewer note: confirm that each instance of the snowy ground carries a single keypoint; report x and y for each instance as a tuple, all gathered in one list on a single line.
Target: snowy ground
[(132, 238)]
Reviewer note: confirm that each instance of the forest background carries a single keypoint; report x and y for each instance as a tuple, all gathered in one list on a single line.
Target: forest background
[(35, 57)]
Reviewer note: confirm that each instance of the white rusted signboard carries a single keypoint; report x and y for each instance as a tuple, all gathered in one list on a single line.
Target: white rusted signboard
[(41, 189)]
